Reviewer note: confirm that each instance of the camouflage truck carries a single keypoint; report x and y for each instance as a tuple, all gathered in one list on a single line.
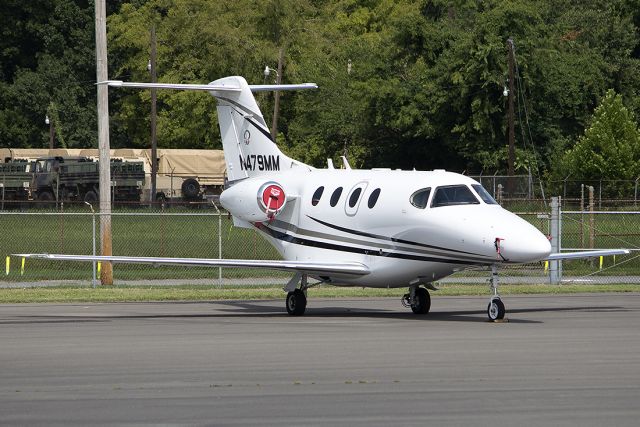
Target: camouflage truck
[(77, 179), (15, 181)]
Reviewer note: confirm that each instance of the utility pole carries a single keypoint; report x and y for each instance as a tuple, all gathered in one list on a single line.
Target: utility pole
[(512, 133), (52, 130), (154, 139), (106, 272), (276, 104)]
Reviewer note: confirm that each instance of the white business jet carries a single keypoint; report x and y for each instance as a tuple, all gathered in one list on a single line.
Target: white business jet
[(376, 228)]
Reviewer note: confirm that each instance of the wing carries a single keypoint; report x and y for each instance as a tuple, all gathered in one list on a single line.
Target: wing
[(587, 254), (319, 268)]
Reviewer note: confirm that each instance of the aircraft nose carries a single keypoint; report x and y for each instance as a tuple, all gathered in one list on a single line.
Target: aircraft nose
[(523, 242)]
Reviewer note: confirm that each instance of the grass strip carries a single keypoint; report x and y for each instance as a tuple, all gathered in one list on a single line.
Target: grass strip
[(123, 293)]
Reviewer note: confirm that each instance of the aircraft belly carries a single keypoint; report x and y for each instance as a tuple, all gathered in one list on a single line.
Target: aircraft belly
[(384, 271)]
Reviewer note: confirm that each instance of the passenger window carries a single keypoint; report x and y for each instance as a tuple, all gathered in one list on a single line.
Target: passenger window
[(484, 194), (335, 197), (373, 198), (354, 197), (420, 198), (316, 196), (453, 195)]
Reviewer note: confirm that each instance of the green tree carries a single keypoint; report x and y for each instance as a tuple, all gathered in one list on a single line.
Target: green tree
[(48, 61), (609, 148)]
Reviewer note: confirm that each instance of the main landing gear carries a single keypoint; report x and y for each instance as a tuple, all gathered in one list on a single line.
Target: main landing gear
[(495, 309), (296, 302), (297, 297), (418, 299)]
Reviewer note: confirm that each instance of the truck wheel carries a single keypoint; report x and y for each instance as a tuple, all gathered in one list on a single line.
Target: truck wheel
[(46, 198), (190, 189), (90, 196)]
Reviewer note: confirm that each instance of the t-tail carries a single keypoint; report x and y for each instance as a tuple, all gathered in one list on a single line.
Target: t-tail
[(249, 147)]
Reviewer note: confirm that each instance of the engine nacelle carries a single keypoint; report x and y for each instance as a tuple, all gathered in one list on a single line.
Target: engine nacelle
[(254, 200)]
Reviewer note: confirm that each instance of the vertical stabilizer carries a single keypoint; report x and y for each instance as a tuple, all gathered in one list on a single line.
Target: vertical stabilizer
[(248, 146)]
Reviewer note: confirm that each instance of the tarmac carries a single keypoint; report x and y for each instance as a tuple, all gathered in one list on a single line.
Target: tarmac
[(559, 360)]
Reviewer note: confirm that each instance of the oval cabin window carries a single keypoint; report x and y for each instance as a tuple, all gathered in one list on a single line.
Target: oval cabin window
[(373, 198), (335, 197), (354, 197), (316, 196)]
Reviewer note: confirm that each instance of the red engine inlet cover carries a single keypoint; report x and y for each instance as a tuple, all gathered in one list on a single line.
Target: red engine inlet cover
[(272, 198)]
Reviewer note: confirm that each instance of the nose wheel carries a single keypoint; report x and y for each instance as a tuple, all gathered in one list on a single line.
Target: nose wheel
[(495, 309)]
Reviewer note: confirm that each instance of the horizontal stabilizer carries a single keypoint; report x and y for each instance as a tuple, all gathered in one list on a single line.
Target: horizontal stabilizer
[(587, 254), (351, 268), (209, 87)]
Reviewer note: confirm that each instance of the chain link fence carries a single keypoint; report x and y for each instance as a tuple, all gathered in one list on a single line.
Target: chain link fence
[(202, 232)]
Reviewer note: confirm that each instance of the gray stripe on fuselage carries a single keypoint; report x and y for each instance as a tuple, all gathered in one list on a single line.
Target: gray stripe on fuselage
[(332, 237)]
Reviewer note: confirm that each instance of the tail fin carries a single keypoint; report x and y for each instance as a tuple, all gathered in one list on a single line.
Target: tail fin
[(248, 146)]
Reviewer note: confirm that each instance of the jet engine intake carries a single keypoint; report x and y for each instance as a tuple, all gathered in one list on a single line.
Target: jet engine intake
[(254, 200)]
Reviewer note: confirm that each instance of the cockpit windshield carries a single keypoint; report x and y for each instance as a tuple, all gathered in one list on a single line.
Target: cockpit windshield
[(451, 195), (484, 194)]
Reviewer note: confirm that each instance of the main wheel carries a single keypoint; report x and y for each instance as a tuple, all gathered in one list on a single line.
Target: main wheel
[(496, 309), (296, 302), (422, 303)]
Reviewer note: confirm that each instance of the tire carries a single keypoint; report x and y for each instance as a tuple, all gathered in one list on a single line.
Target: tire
[(47, 199), (496, 309), (423, 302), (296, 303), (90, 196), (46, 196), (190, 189)]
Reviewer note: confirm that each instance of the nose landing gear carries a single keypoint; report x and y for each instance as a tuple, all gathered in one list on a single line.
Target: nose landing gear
[(418, 299), (495, 309)]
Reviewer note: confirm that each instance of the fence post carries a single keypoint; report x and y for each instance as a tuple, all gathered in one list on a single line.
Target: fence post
[(219, 242), (592, 235), (582, 215), (600, 197), (555, 266), (93, 239)]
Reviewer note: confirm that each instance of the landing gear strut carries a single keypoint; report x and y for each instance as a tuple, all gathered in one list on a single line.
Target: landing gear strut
[(418, 299), (297, 297), (495, 309)]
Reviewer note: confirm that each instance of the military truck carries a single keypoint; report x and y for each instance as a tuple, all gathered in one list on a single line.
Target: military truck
[(182, 175), (77, 179), (15, 181)]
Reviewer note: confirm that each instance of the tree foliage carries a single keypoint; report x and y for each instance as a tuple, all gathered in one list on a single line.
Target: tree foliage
[(610, 146), (403, 83)]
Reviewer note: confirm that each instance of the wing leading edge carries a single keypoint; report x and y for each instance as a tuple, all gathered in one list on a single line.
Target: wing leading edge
[(349, 268), (587, 254)]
